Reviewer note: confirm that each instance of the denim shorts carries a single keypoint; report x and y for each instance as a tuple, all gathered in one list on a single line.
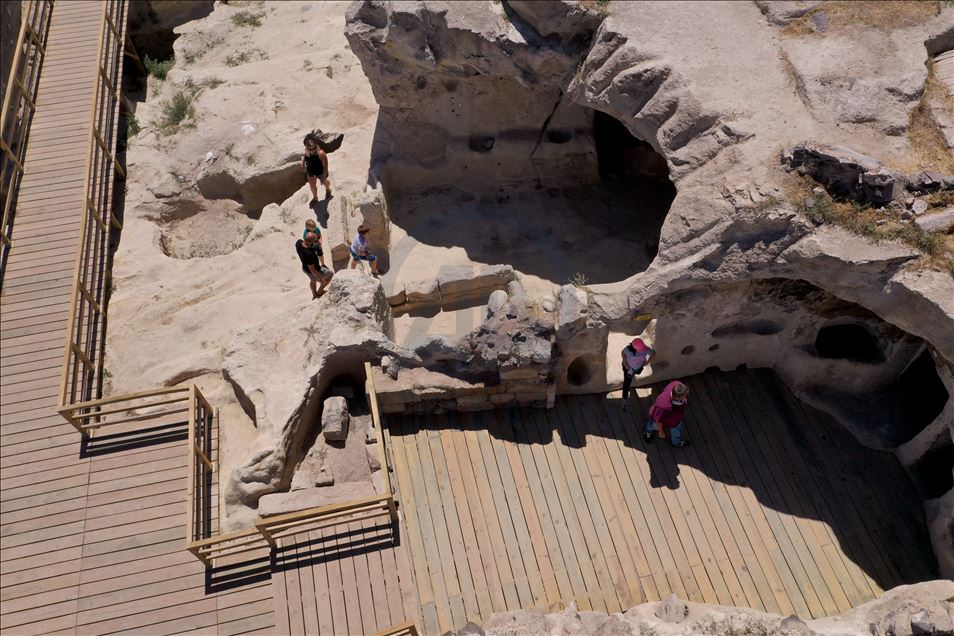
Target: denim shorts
[(366, 257)]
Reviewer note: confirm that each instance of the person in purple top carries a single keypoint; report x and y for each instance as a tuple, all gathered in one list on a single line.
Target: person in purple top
[(666, 414), (636, 355)]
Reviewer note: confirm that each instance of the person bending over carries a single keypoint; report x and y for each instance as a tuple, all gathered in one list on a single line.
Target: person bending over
[(359, 250), (315, 164), (666, 413), (309, 251)]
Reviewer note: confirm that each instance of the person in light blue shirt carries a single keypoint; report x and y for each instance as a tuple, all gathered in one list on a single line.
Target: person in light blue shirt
[(359, 250)]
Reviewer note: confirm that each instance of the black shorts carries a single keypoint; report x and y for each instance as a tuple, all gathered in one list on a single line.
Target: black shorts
[(321, 175), (323, 272)]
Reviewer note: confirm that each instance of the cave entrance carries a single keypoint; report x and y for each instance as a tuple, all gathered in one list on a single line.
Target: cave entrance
[(921, 393), (934, 472), (850, 341), (623, 156), (589, 206)]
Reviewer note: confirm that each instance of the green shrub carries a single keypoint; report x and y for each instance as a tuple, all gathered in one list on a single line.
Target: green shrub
[(247, 19), (132, 126), (158, 69), (235, 60), (176, 110)]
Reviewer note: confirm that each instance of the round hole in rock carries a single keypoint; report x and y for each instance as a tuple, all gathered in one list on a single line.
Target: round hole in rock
[(747, 328), (714, 347), (481, 143), (579, 372), (687, 350), (559, 136), (850, 341)]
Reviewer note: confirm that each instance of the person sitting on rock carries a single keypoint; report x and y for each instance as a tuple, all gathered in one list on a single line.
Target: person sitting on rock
[(359, 250), (315, 164), (309, 251), (636, 355), (311, 226), (667, 413)]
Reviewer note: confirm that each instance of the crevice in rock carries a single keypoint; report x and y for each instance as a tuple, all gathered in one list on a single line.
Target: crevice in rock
[(546, 123), (933, 473)]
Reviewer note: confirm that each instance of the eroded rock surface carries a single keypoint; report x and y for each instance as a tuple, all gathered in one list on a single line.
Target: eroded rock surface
[(491, 110), (925, 608)]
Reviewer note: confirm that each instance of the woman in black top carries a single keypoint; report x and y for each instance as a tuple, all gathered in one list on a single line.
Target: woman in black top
[(315, 164)]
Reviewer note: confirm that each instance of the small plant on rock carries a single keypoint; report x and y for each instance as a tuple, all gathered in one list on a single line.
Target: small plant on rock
[(579, 279), (235, 60), (245, 56), (158, 69), (247, 19), (176, 110), (132, 126)]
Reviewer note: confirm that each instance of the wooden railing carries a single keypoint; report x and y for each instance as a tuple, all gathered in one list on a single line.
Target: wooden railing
[(83, 356), (372, 396), (403, 629), (207, 546), (19, 103), (123, 412)]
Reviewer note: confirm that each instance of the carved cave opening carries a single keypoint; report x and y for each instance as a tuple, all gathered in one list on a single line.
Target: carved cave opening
[(933, 473), (849, 341), (921, 393)]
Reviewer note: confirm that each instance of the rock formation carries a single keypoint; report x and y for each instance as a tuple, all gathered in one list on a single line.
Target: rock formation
[(502, 151), (925, 608), (734, 250)]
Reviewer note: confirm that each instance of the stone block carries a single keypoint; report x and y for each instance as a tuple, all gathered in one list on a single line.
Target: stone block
[(422, 292), (457, 283), (497, 301), (334, 419), (397, 297), (474, 403), (503, 398), (512, 372), (671, 610), (374, 457), (936, 221), (572, 310)]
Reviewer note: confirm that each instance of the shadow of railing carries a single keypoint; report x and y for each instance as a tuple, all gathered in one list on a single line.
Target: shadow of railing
[(19, 104), (133, 440)]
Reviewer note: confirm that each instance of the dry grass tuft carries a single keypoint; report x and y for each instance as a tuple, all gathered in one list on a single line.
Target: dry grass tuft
[(879, 14), (928, 150), (876, 224)]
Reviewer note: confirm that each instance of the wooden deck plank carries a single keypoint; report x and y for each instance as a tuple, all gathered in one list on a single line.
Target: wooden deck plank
[(467, 524), (538, 578), (760, 534), (541, 480), (508, 571), (616, 591), (584, 550), (452, 522), (461, 469), (543, 538)]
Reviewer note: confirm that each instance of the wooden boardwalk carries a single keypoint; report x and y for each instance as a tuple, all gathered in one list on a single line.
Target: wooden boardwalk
[(91, 536), (774, 507)]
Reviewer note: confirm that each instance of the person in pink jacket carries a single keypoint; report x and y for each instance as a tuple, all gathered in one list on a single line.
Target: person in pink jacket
[(666, 414)]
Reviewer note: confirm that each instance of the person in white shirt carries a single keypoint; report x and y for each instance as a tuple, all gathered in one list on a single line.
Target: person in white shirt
[(636, 355), (359, 250)]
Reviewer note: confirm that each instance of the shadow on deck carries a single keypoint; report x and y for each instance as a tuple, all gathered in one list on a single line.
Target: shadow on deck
[(774, 507)]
